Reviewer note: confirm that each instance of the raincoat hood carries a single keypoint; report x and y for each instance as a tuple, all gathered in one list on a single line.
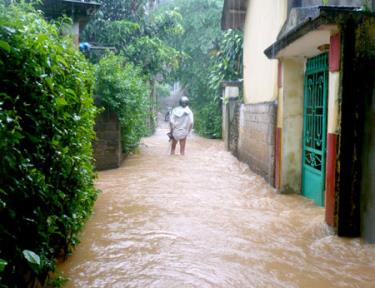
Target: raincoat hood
[(180, 111)]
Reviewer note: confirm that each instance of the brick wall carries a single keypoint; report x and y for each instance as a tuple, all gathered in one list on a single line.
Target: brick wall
[(256, 143), (107, 145)]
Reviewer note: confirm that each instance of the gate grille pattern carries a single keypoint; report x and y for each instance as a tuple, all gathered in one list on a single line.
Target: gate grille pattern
[(315, 112)]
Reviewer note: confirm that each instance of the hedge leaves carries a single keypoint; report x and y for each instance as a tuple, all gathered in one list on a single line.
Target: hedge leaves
[(46, 131)]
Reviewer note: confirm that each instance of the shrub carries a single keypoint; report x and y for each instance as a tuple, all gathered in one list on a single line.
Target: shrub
[(208, 119), (122, 89), (162, 90), (46, 130)]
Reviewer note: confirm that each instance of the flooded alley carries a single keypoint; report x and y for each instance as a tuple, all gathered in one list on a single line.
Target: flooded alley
[(205, 220)]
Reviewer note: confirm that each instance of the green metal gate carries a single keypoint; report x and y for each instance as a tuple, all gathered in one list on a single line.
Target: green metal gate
[(315, 128)]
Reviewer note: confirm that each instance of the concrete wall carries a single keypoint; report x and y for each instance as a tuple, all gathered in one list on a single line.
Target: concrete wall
[(234, 120), (368, 177), (354, 202), (230, 112), (263, 22), (333, 126), (225, 125), (291, 118), (367, 197), (107, 145), (231, 116), (256, 143)]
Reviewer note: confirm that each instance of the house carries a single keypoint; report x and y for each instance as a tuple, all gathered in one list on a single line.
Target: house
[(307, 121), (79, 10)]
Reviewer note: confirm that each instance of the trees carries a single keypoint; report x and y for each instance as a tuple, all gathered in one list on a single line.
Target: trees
[(212, 56), (191, 49), (140, 38), (227, 60), (139, 41)]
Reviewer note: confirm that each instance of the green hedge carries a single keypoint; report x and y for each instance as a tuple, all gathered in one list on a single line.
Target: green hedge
[(46, 129), (208, 119), (123, 90)]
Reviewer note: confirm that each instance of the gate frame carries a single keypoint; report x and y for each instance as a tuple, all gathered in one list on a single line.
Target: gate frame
[(322, 67)]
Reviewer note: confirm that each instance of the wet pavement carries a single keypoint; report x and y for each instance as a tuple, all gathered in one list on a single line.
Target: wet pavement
[(205, 220)]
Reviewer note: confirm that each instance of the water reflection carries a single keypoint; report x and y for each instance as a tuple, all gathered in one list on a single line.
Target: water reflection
[(205, 220)]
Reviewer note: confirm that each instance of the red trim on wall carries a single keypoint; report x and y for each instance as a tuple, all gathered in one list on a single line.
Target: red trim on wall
[(277, 157), (334, 53), (330, 178), (279, 75)]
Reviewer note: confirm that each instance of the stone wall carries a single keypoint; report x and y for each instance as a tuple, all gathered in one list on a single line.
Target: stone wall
[(256, 143), (107, 145)]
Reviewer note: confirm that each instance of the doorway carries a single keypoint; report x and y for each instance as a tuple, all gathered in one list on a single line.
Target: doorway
[(315, 128)]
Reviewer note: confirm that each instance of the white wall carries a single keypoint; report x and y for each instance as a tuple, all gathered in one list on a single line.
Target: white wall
[(264, 19), (291, 152)]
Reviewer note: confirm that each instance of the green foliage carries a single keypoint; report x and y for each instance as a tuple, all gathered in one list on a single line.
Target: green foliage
[(208, 119), (202, 32), (162, 90), (227, 60), (139, 39), (200, 40), (367, 6), (165, 24), (46, 130), (57, 281), (226, 66), (120, 33), (113, 10), (212, 57), (152, 55), (3, 263), (122, 90)]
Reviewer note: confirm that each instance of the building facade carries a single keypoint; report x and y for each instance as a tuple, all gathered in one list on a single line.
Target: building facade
[(306, 124)]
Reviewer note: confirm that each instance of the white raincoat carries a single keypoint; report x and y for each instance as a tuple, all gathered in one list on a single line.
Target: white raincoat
[(180, 120)]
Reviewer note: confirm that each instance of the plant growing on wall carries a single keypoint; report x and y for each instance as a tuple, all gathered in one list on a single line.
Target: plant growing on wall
[(227, 60), (122, 90), (226, 65), (46, 131)]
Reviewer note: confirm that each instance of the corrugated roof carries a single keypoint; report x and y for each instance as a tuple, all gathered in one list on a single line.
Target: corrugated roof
[(72, 8)]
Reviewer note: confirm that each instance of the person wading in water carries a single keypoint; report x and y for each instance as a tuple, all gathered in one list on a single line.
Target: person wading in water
[(181, 122)]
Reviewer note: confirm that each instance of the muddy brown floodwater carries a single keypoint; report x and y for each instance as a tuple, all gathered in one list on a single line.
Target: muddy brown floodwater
[(205, 220)]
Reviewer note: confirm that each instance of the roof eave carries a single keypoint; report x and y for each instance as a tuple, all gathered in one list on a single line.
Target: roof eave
[(71, 8), (327, 16)]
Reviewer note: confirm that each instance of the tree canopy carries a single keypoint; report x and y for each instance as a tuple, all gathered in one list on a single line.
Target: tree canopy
[(137, 35), (212, 55)]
